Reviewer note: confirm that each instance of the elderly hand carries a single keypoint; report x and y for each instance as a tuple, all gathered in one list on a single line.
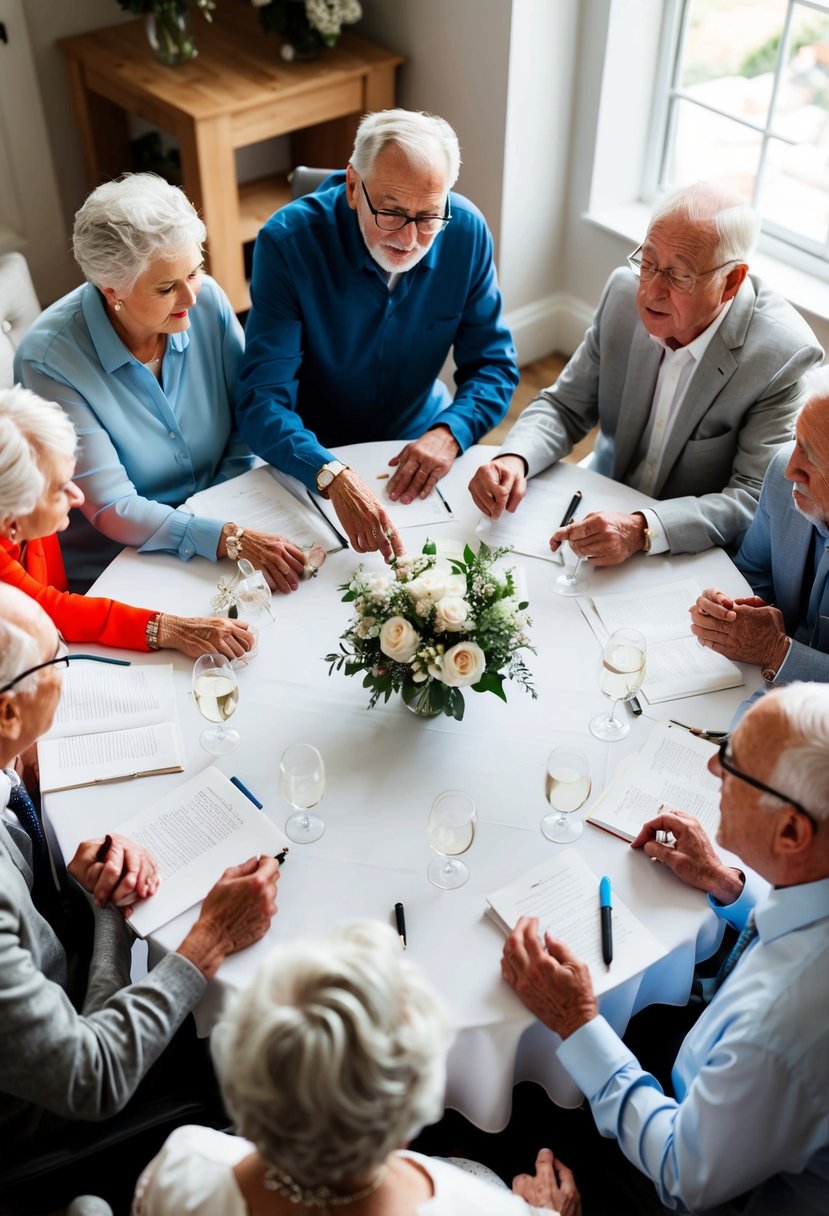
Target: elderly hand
[(281, 561), (236, 912), (607, 539), (747, 630), (422, 463), (126, 874), (691, 857), (551, 1186), (196, 635), (365, 521), (552, 982), (499, 485)]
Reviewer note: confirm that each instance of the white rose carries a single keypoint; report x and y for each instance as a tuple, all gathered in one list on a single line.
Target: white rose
[(398, 639), (456, 584), (463, 664), (451, 614), (430, 585)]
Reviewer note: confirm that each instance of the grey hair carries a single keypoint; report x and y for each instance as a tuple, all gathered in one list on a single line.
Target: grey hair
[(816, 385), (29, 426), (734, 224), (415, 132), (802, 768), (18, 649), (334, 1056), (125, 225)]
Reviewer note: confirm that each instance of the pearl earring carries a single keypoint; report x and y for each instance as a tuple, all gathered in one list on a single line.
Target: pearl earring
[(117, 305)]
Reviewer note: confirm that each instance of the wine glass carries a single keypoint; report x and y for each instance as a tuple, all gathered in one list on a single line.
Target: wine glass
[(621, 673), (216, 695), (451, 830), (570, 582), (302, 784), (567, 788), (252, 597)]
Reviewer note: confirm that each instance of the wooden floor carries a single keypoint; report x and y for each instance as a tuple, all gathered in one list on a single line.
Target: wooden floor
[(535, 377)]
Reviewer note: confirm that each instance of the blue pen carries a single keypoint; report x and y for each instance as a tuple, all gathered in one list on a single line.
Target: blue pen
[(240, 785), (606, 910)]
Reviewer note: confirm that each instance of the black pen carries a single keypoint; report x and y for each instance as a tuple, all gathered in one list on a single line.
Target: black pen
[(571, 510), (443, 500), (101, 855), (280, 857), (606, 910), (635, 706), (400, 918)]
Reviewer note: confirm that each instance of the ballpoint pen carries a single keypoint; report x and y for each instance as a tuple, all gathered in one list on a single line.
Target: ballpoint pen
[(243, 789), (713, 736), (606, 913), (571, 510), (400, 919)]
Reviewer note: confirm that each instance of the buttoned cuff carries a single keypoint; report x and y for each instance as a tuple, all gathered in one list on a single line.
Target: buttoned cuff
[(594, 1054), (736, 913), (659, 537), (187, 536)]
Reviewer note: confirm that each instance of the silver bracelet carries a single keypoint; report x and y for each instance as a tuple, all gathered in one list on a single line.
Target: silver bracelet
[(152, 631), (233, 544)]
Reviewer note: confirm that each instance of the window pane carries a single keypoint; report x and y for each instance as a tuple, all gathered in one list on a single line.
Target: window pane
[(707, 145), (796, 190), (802, 109)]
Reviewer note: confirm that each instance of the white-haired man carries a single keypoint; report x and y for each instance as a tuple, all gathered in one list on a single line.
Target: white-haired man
[(747, 1127), (691, 368), (359, 293), (784, 626), (59, 1065)]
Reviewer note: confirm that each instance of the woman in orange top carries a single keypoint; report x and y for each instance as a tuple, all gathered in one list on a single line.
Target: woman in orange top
[(37, 461)]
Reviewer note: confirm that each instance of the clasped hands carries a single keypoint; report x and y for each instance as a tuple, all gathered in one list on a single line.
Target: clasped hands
[(746, 629)]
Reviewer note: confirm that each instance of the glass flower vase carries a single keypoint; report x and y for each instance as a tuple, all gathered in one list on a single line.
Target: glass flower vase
[(169, 35)]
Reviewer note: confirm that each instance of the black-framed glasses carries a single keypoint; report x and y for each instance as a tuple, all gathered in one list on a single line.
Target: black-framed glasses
[(728, 766), (62, 655), (681, 280), (393, 221)]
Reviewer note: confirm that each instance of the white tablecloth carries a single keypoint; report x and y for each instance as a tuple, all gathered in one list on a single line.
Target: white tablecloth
[(385, 767)]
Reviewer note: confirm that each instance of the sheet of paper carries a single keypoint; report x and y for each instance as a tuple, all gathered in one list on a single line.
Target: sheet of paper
[(564, 894), (194, 834), (671, 770), (267, 501), (97, 698), (528, 530), (78, 760), (432, 510)]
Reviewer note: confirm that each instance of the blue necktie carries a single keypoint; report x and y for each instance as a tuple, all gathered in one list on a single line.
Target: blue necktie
[(29, 820), (742, 943)]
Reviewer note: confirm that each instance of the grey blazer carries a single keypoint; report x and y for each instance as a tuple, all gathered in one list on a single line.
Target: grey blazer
[(739, 408), (78, 1065)]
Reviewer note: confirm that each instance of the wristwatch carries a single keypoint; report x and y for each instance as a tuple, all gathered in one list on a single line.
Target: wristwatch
[(326, 475)]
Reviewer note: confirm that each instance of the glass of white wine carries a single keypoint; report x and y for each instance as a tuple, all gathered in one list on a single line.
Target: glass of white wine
[(621, 672), (570, 581), (567, 788), (216, 695), (302, 784), (451, 830)]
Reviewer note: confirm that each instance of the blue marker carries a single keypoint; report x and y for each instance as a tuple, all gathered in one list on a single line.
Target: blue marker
[(240, 785), (606, 910)]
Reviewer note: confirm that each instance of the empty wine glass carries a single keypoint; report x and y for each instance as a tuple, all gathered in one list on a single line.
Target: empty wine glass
[(302, 784), (567, 788), (570, 581), (451, 830), (621, 672), (253, 596), (216, 695)]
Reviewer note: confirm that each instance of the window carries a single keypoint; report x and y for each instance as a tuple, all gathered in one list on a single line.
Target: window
[(747, 104)]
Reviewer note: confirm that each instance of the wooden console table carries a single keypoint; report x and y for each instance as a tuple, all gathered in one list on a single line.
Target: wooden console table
[(238, 91)]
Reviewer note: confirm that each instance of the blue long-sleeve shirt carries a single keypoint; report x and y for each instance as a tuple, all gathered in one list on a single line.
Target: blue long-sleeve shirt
[(751, 1079), (144, 447), (333, 357)]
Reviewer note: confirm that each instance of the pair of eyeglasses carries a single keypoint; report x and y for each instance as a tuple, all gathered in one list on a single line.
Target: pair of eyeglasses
[(681, 280), (728, 766), (393, 221), (62, 655)]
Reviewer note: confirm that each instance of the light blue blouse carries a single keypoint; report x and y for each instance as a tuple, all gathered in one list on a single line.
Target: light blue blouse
[(144, 446)]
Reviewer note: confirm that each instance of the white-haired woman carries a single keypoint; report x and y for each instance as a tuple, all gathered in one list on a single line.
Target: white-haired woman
[(37, 491), (148, 379), (332, 1059)]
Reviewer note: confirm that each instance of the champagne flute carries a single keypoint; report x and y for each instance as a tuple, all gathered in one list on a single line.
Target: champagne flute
[(621, 673), (451, 830), (302, 784), (567, 789), (216, 695), (570, 582)]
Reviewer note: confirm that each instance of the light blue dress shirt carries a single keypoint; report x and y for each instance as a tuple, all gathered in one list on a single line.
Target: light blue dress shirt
[(144, 446), (751, 1078)]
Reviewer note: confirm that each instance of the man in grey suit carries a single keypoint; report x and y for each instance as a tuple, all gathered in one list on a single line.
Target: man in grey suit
[(693, 371), (75, 1046), (785, 557)]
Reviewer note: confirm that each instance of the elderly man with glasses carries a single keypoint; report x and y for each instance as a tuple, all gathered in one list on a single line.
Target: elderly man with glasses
[(692, 370), (746, 1128), (77, 1036), (360, 291)]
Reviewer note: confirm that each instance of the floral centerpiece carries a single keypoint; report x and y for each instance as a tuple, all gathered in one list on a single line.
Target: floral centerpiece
[(431, 626), (306, 26)]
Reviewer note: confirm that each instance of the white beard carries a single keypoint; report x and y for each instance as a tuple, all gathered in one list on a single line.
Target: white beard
[(390, 264), (814, 517)]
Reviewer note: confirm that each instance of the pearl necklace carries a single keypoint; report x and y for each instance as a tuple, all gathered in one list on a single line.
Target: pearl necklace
[(321, 1197)]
